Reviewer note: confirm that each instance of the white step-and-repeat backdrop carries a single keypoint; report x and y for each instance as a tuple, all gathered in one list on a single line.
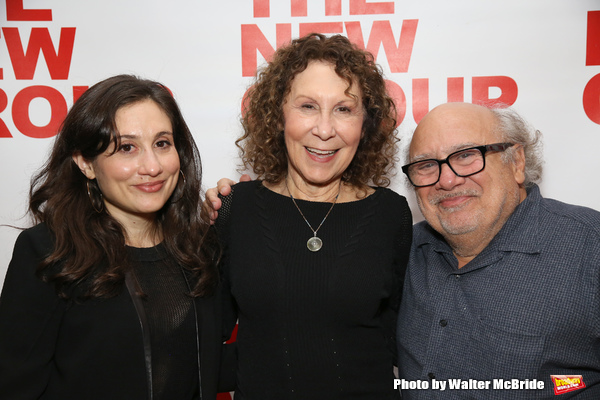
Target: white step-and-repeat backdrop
[(541, 56)]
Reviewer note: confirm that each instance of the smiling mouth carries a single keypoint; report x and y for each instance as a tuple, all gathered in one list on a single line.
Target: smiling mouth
[(320, 153), (454, 201), (150, 187)]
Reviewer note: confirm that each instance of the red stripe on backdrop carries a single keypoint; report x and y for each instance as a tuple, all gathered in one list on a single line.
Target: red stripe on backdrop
[(593, 39), (227, 396)]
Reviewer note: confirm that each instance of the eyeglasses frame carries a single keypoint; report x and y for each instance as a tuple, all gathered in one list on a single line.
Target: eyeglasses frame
[(483, 149)]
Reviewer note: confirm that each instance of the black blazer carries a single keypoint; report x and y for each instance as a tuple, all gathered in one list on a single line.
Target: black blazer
[(54, 349)]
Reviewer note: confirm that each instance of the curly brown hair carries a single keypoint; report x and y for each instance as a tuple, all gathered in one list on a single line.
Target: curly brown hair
[(262, 146)]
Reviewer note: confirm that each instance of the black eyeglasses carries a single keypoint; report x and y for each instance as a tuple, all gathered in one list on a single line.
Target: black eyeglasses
[(463, 163)]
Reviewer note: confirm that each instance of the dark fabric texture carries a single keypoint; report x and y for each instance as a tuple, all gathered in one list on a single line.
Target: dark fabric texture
[(171, 324), (526, 307), (54, 349), (314, 325)]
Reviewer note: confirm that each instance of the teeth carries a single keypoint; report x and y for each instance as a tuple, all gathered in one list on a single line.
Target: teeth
[(320, 152)]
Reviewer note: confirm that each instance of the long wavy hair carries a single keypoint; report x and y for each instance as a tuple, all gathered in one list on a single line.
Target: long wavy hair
[(262, 146), (90, 254)]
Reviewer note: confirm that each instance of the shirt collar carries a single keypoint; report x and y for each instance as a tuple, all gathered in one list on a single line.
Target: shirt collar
[(523, 223)]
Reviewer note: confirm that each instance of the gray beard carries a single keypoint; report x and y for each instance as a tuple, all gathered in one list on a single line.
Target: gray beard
[(453, 231)]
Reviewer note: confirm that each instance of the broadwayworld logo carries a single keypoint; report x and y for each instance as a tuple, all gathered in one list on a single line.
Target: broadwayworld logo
[(567, 383)]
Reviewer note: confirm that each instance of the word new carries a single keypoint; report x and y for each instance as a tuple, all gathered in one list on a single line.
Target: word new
[(24, 59)]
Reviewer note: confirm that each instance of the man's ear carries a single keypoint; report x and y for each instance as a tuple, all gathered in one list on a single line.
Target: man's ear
[(519, 164), (84, 165)]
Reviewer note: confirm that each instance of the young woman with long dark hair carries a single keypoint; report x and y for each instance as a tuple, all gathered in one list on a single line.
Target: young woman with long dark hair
[(114, 293)]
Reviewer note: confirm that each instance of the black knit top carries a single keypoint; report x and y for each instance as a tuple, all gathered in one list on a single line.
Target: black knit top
[(314, 325), (170, 315)]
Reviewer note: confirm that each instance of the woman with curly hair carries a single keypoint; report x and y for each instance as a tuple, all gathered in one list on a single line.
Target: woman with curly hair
[(113, 295), (316, 248)]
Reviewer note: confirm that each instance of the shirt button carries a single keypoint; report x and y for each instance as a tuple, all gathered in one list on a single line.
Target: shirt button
[(443, 323), (457, 276), (431, 375)]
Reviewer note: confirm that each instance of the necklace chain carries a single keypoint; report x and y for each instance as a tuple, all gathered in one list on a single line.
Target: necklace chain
[(314, 243)]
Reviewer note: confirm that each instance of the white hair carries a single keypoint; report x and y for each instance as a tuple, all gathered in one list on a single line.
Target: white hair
[(513, 128)]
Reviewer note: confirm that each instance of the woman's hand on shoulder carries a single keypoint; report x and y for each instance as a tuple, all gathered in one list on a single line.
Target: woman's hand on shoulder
[(212, 202)]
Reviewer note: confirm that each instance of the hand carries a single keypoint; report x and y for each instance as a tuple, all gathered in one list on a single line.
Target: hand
[(212, 202)]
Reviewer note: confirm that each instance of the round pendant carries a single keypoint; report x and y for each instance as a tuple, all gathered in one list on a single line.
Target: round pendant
[(314, 244)]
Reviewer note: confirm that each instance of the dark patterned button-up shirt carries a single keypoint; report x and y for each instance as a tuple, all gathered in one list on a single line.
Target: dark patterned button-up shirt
[(526, 308)]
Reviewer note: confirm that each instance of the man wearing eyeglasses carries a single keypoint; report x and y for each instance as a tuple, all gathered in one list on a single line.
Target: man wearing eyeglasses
[(503, 286)]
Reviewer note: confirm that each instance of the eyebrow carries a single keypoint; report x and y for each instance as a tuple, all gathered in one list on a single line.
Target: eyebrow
[(159, 134), (451, 150), (301, 96)]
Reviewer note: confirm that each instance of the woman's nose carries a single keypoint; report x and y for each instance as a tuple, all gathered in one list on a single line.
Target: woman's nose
[(324, 127), (150, 164)]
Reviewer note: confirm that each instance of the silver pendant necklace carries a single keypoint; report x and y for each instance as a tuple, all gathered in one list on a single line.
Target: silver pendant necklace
[(314, 243)]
